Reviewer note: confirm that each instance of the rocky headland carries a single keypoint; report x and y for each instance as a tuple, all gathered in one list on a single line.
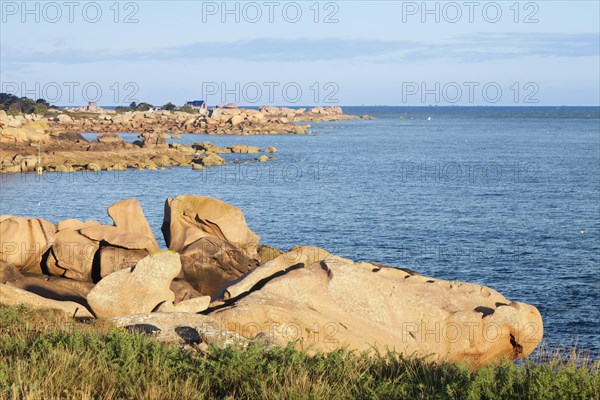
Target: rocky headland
[(218, 283), (25, 128), (63, 149)]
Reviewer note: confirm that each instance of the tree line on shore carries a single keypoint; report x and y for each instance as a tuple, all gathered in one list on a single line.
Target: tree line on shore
[(24, 105)]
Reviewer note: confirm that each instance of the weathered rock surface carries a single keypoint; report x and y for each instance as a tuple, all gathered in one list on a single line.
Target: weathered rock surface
[(56, 289), (210, 263), (23, 241), (268, 253), (72, 255), (14, 296), (183, 290), (194, 306), (211, 160), (9, 273), (189, 218), (117, 258), (210, 148), (243, 149), (110, 138), (298, 257), (137, 290), (128, 215), (332, 304), (182, 328)]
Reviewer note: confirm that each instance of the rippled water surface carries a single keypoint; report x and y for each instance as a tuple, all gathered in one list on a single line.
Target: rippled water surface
[(505, 197)]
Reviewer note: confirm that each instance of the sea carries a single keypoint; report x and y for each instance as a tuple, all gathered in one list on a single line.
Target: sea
[(507, 197)]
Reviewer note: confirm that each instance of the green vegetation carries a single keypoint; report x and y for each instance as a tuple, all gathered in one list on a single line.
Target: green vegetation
[(22, 105), (169, 107), (43, 355)]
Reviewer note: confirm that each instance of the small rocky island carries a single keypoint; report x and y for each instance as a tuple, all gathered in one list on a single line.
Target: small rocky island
[(218, 284)]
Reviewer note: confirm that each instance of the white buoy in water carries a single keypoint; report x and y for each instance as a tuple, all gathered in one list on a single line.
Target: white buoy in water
[(428, 118)]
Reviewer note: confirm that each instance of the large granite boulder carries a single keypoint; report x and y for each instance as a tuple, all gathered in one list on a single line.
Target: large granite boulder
[(330, 303), (72, 255), (138, 290), (211, 160), (243, 149), (128, 215), (189, 218), (210, 263), (23, 241), (210, 148)]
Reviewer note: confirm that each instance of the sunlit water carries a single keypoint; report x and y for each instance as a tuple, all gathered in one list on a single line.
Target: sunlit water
[(505, 197)]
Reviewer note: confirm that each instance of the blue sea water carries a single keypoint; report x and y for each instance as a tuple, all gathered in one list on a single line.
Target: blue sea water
[(506, 197)]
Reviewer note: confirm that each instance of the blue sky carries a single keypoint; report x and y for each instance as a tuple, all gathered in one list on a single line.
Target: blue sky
[(282, 52)]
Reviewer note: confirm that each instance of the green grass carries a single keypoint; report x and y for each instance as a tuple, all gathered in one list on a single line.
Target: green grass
[(43, 355)]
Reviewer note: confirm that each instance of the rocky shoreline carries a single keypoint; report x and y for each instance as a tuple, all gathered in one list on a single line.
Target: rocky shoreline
[(26, 128), (217, 281), (109, 152), (63, 149)]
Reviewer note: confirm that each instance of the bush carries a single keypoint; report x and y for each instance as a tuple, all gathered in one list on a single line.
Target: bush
[(169, 107), (187, 108)]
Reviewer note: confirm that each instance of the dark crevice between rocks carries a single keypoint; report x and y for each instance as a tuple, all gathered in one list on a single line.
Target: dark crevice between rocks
[(189, 334), (517, 348), (380, 266), (44, 262), (484, 310), (96, 264), (327, 270), (259, 285)]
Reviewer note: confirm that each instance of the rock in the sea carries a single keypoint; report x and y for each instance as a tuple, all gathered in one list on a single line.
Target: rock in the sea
[(137, 290), (210, 263), (332, 304), (263, 158), (210, 148), (271, 149), (14, 296), (189, 218), (211, 160), (243, 149), (153, 140), (110, 138), (23, 241)]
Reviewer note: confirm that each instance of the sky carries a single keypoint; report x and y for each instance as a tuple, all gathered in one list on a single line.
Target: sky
[(410, 53)]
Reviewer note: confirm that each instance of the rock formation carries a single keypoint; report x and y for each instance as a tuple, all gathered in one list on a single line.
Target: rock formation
[(249, 291), (138, 290)]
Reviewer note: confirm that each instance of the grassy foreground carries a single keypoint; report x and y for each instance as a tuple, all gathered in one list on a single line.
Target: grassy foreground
[(45, 356)]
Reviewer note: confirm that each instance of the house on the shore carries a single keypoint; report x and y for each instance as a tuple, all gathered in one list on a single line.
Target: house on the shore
[(197, 104)]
